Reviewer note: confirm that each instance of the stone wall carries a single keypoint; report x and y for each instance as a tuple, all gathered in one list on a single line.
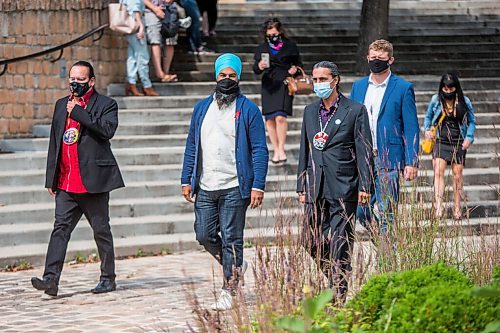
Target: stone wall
[(29, 89)]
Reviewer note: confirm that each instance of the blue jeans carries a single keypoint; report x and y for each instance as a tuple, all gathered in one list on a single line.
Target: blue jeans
[(221, 211), (386, 196), (138, 61), (191, 8)]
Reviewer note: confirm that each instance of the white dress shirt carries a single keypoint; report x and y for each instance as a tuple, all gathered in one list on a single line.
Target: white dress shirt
[(218, 141), (373, 100)]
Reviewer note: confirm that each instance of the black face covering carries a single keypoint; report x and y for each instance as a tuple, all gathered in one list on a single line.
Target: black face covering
[(275, 40), (378, 66), (79, 89), (227, 86), (449, 96)]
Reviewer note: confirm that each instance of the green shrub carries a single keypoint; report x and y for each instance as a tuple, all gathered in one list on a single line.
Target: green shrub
[(435, 298)]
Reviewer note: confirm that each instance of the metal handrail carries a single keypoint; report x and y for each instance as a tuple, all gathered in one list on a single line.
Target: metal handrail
[(5, 63)]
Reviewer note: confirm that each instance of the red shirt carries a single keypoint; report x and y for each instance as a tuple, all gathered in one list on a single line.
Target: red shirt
[(70, 179)]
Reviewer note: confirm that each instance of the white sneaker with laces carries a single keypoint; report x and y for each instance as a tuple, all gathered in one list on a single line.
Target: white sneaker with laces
[(185, 22), (225, 301)]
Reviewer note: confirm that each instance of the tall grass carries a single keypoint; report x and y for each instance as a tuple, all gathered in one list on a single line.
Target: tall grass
[(285, 273)]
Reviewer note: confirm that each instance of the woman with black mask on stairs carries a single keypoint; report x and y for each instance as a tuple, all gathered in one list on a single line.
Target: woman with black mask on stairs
[(454, 137), (276, 58)]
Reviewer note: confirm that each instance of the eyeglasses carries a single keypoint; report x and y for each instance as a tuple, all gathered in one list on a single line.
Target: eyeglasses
[(272, 36)]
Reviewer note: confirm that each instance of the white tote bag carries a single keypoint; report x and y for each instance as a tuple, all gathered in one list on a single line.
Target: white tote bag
[(120, 20)]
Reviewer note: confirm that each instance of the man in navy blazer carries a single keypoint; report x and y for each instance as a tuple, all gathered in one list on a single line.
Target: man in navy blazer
[(225, 167), (392, 113)]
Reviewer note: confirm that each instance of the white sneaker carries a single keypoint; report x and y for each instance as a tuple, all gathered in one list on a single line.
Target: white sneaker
[(185, 22), (225, 301)]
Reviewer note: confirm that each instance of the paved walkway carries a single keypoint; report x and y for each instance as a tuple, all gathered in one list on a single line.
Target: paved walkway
[(152, 296)]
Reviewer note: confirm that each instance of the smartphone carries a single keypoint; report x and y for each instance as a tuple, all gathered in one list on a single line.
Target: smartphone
[(265, 58)]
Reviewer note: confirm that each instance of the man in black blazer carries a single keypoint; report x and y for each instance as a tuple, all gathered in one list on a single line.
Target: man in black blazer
[(334, 173), (81, 171)]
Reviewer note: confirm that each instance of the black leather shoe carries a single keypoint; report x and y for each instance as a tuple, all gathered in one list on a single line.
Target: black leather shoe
[(48, 285), (104, 286)]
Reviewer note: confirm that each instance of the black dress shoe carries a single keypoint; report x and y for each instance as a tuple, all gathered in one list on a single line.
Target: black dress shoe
[(104, 286), (48, 285)]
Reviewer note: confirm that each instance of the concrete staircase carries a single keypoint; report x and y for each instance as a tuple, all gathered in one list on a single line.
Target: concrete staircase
[(150, 213)]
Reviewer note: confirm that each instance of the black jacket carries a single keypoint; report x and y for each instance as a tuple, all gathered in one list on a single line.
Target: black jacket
[(274, 92), (347, 158), (98, 167)]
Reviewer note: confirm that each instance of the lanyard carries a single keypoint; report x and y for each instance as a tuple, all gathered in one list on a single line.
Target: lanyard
[(336, 106)]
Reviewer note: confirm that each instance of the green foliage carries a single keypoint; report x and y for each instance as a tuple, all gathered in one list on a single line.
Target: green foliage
[(315, 316), (19, 265), (496, 275), (140, 253), (434, 298), (493, 327)]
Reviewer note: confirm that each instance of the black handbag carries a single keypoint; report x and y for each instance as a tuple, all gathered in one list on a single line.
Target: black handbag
[(170, 23)]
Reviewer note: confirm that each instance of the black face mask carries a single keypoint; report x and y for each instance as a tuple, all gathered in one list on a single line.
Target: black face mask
[(79, 89), (227, 86), (275, 40), (378, 66), (449, 96)]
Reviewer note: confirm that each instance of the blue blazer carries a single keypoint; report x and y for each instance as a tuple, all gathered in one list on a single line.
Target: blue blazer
[(397, 124), (252, 156)]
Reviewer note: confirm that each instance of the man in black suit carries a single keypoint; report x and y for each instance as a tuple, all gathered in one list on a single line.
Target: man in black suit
[(334, 173), (81, 171)]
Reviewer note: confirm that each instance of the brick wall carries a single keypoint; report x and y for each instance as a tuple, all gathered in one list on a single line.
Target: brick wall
[(29, 89)]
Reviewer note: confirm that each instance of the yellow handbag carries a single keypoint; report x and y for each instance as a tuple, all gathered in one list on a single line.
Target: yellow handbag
[(428, 143)]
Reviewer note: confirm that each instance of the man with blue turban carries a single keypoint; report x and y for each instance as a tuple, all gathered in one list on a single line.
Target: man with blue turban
[(224, 169)]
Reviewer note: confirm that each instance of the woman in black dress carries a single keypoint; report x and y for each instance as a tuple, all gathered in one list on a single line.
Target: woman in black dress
[(277, 58), (454, 136)]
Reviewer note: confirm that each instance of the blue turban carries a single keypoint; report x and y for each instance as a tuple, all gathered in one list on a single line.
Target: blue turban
[(228, 60)]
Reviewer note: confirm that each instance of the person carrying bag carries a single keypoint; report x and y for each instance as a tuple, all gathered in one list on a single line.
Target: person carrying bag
[(429, 141), (299, 85), (120, 20)]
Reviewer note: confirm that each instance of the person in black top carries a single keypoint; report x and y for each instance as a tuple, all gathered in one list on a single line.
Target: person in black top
[(455, 135), (277, 58)]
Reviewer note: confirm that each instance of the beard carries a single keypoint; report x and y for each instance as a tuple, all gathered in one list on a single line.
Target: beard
[(224, 100)]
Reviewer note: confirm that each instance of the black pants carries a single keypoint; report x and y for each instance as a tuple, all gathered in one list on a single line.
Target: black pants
[(329, 238), (209, 6), (69, 209)]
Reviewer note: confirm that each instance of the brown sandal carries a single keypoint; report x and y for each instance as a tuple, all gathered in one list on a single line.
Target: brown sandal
[(170, 78)]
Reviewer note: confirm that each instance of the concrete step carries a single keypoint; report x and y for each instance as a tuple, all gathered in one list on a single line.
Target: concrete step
[(349, 55), (484, 120), (190, 101), (168, 154), (34, 253), (122, 227), (421, 65), (17, 195), (422, 83), (177, 139), (486, 114), (352, 28), (397, 7), (166, 178), (335, 46), (18, 214), (348, 69)]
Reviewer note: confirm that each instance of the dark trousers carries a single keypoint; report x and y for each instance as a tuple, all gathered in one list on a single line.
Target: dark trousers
[(221, 212), (209, 6), (329, 238), (194, 34), (69, 209)]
